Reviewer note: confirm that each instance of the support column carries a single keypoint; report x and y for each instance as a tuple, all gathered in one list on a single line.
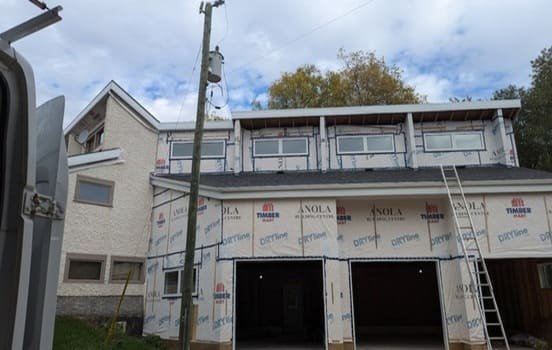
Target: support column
[(323, 145), (237, 147), (411, 159)]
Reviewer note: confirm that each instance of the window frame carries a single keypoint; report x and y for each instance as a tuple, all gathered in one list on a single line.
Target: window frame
[(178, 294), (96, 181), (84, 257), (221, 156), (452, 135), (365, 150), (96, 137), (540, 272), (127, 259), (281, 147)]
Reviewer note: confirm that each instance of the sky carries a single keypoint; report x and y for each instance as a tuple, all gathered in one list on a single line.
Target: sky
[(444, 48)]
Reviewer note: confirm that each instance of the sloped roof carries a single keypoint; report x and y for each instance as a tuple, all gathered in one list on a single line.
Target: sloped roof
[(249, 179)]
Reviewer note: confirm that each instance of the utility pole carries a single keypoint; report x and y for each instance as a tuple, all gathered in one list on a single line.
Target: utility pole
[(186, 320)]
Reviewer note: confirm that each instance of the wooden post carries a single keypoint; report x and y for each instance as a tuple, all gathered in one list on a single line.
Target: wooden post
[(186, 319)]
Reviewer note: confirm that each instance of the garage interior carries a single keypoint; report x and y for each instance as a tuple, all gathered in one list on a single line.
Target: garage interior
[(523, 291), (279, 305), (397, 305)]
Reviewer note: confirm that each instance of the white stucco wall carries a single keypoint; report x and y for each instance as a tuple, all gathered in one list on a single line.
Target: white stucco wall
[(121, 230)]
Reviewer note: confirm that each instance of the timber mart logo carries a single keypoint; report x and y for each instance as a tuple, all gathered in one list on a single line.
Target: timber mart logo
[(201, 206), (221, 295), (518, 209), (432, 214), (160, 220), (268, 214), (342, 217)]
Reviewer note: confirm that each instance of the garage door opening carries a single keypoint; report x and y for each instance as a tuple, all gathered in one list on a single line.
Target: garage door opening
[(523, 291), (279, 304), (397, 305)]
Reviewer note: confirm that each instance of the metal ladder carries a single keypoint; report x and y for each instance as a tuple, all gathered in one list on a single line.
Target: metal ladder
[(477, 269)]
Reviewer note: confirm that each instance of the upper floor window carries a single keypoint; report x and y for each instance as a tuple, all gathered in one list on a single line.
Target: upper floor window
[(95, 140), (94, 191), (365, 144), (209, 149), (458, 141), (296, 146)]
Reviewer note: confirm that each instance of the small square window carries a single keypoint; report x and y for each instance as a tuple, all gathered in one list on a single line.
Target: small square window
[(294, 146), (120, 267), (380, 143), (94, 191), (468, 141), (545, 275), (266, 147), (84, 268), (352, 144), (171, 283), (174, 280), (439, 142)]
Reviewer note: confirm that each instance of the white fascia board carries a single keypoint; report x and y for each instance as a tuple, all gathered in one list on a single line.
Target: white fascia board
[(385, 109), (122, 94), (403, 189), (190, 126), (94, 157)]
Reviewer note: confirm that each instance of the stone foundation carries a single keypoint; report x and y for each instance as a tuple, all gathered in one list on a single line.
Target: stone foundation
[(100, 310)]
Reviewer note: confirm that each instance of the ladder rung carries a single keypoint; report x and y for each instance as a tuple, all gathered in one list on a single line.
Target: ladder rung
[(490, 310), (493, 324), (486, 297), (497, 338)]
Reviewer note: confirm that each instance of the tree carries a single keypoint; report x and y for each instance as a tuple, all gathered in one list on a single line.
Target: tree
[(364, 79), (533, 126)]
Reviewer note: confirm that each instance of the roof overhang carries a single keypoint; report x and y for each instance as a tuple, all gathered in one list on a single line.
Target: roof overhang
[(382, 114), (357, 190)]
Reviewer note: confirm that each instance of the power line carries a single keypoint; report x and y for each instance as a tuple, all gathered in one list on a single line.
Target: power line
[(315, 29)]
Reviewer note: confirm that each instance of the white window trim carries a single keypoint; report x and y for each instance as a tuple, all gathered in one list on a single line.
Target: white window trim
[(178, 294), (365, 144), (222, 155), (454, 148), (281, 147)]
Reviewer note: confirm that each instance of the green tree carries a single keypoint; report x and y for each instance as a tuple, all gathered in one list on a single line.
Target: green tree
[(364, 79), (533, 126)]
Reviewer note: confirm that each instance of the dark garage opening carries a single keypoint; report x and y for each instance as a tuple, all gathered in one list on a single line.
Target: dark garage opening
[(279, 304), (397, 305), (523, 291)]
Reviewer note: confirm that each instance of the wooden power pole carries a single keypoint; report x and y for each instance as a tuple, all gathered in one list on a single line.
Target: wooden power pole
[(186, 320)]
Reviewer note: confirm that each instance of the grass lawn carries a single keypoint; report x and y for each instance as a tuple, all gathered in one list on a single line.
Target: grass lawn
[(74, 334)]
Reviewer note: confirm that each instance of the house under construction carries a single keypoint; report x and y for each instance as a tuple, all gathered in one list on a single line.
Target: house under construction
[(323, 228)]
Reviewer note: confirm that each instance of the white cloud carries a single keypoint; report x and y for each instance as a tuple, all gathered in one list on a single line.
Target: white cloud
[(446, 47)]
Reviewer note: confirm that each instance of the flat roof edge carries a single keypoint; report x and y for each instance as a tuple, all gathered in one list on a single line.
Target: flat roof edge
[(382, 109)]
